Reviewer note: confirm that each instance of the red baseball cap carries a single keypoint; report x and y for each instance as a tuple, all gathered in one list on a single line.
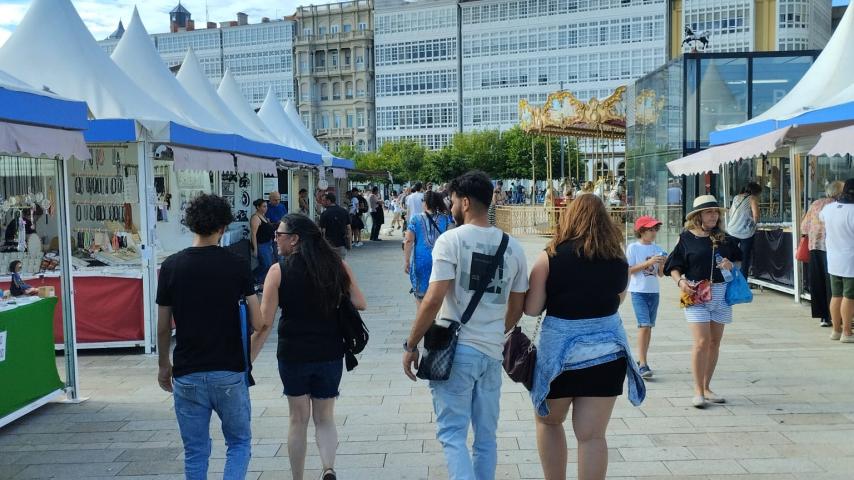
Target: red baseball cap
[(646, 222)]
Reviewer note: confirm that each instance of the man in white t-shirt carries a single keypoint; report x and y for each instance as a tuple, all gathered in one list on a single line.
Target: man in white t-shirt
[(414, 200), (838, 218), (470, 396)]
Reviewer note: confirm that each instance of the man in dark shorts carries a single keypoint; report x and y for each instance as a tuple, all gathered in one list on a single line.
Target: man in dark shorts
[(335, 225), (199, 289)]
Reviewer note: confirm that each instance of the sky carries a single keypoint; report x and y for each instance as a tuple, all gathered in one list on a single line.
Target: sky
[(102, 16)]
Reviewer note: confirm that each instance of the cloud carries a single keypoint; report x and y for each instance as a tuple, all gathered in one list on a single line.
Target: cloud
[(102, 16)]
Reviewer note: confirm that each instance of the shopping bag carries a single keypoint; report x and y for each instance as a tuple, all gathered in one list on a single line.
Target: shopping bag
[(803, 254), (738, 291)]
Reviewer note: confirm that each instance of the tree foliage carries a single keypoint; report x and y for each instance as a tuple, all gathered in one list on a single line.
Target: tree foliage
[(504, 155)]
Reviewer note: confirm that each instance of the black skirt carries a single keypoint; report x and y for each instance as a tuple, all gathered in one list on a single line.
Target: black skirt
[(605, 380)]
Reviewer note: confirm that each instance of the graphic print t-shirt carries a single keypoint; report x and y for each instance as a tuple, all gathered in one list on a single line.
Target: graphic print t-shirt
[(645, 281), (463, 255)]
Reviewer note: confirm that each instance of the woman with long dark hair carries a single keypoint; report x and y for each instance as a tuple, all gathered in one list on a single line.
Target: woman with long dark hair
[(308, 285), (420, 236), (583, 355)]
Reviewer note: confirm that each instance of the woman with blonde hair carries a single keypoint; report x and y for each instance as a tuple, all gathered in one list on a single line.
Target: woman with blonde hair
[(813, 228), (583, 355), (697, 265)]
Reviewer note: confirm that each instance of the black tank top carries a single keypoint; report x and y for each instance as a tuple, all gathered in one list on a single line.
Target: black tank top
[(306, 333), (265, 231), (579, 288)]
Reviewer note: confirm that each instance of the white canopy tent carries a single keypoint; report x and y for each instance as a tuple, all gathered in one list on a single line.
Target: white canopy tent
[(232, 97), (279, 124), (304, 134), (136, 56), (835, 142)]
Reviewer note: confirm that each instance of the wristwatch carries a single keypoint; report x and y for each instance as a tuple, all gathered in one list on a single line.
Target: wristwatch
[(407, 349)]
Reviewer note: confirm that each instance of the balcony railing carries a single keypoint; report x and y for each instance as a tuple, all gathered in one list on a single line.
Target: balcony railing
[(335, 37)]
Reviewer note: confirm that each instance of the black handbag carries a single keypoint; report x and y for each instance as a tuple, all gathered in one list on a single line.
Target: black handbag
[(520, 355), (440, 342)]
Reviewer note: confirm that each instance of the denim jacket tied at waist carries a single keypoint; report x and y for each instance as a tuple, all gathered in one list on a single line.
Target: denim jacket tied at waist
[(576, 344)]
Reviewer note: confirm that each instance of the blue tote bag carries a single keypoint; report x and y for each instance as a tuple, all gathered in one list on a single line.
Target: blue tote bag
[(737, 291)]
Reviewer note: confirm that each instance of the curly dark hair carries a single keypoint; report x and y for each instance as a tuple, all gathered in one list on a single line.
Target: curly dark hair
[(208, 213), (323, 266), (435, 202), (14, 265), (474, 185)]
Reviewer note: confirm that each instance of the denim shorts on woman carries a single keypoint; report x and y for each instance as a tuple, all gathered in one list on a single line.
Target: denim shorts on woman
[(646, 308), (319, 380), (716, 310)]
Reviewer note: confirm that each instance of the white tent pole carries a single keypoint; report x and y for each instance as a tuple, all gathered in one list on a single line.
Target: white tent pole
[(147, 223), (291, 204), (72, 387), (312, 188), (794, 167)]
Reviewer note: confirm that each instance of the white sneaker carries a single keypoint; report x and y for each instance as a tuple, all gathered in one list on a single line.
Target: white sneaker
[(846, 338), (835, 335), (698, 401)]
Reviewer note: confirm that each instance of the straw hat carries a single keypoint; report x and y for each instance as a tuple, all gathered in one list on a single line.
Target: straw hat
[(705, 202)]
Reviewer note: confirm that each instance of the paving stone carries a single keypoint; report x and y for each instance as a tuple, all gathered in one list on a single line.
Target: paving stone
[(788, 416)]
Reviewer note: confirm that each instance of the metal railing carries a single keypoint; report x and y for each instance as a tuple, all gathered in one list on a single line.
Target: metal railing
[(538, 220)]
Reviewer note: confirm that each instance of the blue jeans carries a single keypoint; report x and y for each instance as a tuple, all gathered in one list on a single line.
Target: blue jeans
[(226, 393), (470, 396), (266, 258), (646, 308)]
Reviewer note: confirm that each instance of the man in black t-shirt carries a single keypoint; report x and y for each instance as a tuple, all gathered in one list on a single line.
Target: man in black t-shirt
[(199, 289), (335, 225)]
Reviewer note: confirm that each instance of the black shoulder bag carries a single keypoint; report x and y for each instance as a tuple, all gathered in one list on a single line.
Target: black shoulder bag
[(440, 342)]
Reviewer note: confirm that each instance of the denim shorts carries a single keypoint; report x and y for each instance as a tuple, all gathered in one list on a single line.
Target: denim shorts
[(646, 308), (319, 380)]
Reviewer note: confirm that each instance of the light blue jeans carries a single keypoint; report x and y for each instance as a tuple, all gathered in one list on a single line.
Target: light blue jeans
[(196, 396), (470, 396)]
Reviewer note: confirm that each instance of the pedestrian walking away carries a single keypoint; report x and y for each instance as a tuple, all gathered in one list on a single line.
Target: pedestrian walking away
[(698, 264), (375, 205), (356, 222), (308, 285), (421, 235), (261, 237), (335, 225), (200, 289), (462, 257), (813, 228), (838, 218), (583, 355), (414, 201)]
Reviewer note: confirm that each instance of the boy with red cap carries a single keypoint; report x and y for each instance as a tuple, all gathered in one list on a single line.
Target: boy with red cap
[(646, 264)]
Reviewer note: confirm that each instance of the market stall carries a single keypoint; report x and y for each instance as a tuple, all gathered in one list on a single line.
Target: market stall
[(147, 130), (39, 133), (778, 150)]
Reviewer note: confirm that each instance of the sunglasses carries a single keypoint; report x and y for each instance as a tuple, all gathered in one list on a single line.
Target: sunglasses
[(279, 234)]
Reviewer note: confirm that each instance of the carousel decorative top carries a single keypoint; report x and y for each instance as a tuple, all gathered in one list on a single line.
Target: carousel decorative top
[(564, 114)]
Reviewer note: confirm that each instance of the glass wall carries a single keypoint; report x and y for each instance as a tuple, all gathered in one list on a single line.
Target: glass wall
[(723, 94), (773, 77)]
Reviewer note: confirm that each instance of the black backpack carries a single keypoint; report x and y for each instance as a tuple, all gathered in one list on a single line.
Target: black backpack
[(363, 204), (354, 332)]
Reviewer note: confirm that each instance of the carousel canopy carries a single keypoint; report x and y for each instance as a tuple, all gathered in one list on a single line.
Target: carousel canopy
[(39, 124), (823, 95), (565, 115)]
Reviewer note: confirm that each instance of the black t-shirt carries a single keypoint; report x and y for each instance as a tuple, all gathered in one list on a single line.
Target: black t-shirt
[(580, 288), (334, 221), (203, 285), (693, 256)]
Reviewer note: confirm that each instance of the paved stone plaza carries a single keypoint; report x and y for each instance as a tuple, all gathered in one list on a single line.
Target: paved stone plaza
[(789, 414)]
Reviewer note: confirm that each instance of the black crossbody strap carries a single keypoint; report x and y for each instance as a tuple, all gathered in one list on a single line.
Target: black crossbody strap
[(484, 283)]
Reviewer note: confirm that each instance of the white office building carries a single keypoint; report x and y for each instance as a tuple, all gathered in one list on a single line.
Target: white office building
[(417, 71), (259, 55), (502, 51)]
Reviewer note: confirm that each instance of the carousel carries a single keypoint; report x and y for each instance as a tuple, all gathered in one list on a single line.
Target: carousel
[(598, 129)]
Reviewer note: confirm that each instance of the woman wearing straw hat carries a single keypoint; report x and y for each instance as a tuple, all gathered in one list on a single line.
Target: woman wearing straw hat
[(703, 252)]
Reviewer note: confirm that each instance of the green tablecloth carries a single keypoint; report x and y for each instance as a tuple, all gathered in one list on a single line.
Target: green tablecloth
[(29, 370)]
